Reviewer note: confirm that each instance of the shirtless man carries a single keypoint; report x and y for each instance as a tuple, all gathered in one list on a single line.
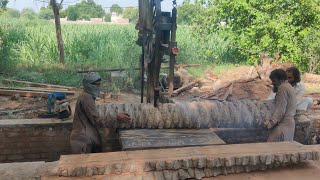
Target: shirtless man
[(84, 136), (282, 122)]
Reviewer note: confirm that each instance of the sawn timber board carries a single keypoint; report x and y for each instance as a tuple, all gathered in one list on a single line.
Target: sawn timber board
[(165, 138)]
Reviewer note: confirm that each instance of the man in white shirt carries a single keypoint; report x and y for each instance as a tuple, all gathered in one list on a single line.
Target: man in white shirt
[(303, 103)]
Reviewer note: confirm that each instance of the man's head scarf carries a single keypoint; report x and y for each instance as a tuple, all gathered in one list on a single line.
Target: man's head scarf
[(88, 85)]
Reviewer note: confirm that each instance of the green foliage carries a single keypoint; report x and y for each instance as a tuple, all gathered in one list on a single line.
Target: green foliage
[(116, 8), (72, 13), (46, 13), (28, 13), (3, 3), (86, 9), (131, 13), (107, 17), (187, 11), (11, 13), (255, 26), (11, 34), (311, 50)]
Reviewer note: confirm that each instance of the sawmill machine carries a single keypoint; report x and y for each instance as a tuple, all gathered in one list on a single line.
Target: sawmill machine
[(157, 38)]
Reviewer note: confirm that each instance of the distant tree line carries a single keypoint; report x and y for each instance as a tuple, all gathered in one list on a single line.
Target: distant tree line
[(83, 10)]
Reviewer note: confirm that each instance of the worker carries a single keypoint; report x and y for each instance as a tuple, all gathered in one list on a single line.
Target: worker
[(303, 103), (84, 136), (282, 122)]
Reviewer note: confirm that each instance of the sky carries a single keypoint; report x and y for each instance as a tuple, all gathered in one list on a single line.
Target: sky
[(37, 4)]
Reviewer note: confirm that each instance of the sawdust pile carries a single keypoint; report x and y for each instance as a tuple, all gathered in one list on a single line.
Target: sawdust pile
[(206, 114)]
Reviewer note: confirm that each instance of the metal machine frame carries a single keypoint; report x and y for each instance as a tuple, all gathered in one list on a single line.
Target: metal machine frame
[(157, 37)]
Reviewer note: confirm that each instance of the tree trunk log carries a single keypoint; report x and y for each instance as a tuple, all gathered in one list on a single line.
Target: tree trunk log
[(206, 114)]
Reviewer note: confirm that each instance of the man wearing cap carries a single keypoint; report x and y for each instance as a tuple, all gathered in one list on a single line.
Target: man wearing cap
[(84, 136)]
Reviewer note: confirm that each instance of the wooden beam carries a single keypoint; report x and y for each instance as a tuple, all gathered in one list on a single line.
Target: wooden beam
[(23, 93), (185, 87), (126, 69), (39, 84), (39, 90), (167, 138)]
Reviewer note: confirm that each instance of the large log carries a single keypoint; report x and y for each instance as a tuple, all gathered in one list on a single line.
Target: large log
[(207, 114)]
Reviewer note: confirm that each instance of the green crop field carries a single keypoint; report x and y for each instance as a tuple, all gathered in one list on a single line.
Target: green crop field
[(29, 50)]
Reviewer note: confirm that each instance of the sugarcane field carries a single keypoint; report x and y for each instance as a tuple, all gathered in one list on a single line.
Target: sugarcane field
[(159, 89)]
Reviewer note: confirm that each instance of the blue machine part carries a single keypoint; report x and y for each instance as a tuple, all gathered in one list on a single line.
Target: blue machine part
[(59, 96)]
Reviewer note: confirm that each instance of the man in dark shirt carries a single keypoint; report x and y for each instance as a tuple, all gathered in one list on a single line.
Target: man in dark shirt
[(84, 136)]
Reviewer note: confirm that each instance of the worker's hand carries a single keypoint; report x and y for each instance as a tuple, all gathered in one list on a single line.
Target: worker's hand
[(124, 117), (268, 124)]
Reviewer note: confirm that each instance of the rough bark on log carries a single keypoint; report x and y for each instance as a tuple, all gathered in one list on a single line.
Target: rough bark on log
[(207, 114)]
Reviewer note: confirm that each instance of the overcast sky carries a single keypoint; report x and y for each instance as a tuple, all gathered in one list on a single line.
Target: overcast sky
[(36, 4)]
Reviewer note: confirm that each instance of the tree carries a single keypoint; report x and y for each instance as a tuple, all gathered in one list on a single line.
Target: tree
[(55, 8), (72, 13), (187, 12), (28, 13), (131, 13), (261, 26), (107, 17), (3, 4), (46, 13), (85, 9), (116, 8)]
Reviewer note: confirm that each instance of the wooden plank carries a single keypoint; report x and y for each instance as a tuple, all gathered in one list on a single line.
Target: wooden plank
[(185, 87), (5, 92), (164, 138), (126, 69), (38, 90), (39, 84)]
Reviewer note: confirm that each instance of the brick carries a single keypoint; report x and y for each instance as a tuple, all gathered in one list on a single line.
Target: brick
[(32, 156), (3, 158), (15, 157), (39, 139), (49, 155), (13, 134)]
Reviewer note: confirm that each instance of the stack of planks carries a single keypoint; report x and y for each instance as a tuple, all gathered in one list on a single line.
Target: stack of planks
[(35, 89)]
